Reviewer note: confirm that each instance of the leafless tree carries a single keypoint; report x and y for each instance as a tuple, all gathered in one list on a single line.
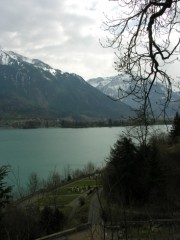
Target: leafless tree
[(52, 185), (15, 179), (67, 172), (89, 168), (33, 183), (146, 37), (53, 180)]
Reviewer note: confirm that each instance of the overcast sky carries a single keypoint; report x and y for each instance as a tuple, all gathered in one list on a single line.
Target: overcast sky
[(63, 33)]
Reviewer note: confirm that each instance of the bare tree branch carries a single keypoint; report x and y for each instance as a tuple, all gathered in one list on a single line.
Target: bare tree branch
[(144, 38)]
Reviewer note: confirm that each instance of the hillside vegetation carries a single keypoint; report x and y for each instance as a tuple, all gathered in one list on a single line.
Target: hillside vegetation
[(141, 187)]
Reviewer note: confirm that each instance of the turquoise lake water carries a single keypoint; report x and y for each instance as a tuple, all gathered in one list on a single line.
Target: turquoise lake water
[(43, 150)]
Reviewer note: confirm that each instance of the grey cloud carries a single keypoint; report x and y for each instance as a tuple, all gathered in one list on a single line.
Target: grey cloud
[(52, 32)]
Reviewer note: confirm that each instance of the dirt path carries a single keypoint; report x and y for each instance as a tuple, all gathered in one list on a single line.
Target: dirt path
[(95, 208)]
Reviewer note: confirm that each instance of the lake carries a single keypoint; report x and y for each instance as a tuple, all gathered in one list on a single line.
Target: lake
[(43, 150)]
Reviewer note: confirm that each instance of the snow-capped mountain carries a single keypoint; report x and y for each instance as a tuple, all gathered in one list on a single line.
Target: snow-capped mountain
[(31, 88), (110, 85), (10, 58), (115, 86)]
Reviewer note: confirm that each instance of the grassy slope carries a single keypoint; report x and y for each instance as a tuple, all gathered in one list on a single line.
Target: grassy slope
[(66, 198)]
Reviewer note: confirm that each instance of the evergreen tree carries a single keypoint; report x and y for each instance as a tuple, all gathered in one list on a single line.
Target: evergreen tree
[(175, 131), (4, 194), (120, 172), (132, 172), (4, 190), (51, 220)]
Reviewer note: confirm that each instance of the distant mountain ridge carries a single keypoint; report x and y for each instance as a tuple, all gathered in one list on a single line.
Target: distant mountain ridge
[(110, 86), (31, 88)]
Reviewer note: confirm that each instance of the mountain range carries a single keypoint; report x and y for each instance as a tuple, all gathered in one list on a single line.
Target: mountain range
[(31, 88), (110, 86)]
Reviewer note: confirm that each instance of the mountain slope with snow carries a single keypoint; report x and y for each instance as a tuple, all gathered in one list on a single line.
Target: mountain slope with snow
[(116, 85), (31, 88), (10, 58)]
